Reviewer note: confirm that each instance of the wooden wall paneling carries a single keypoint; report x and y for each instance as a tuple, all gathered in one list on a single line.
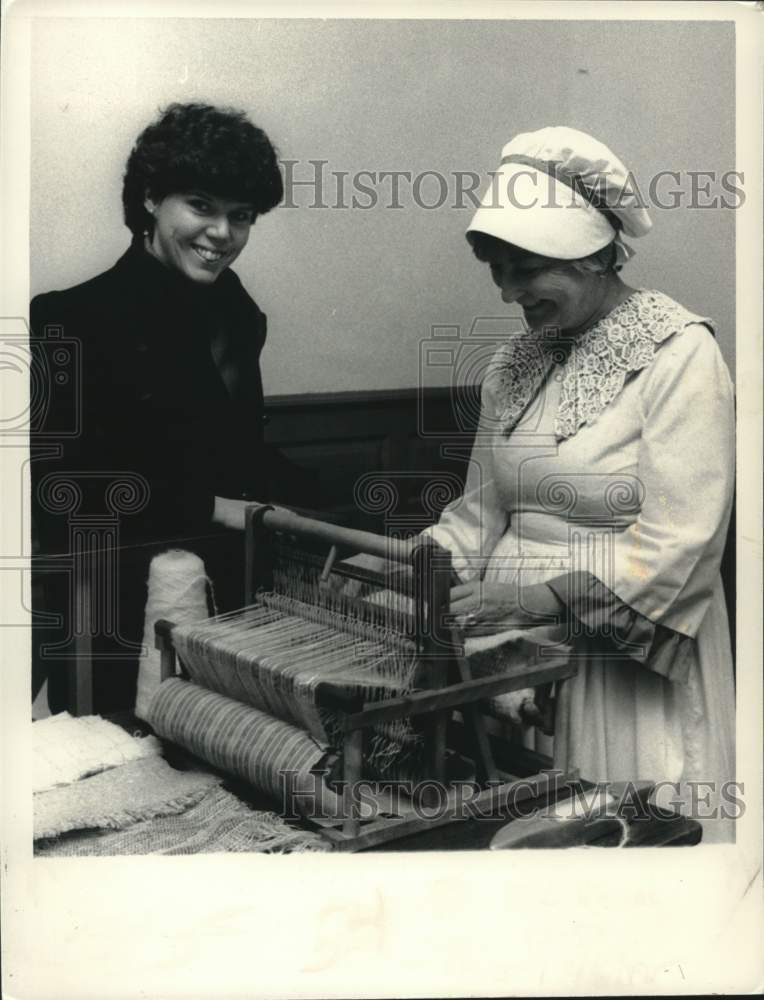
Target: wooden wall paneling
[(377, 454)]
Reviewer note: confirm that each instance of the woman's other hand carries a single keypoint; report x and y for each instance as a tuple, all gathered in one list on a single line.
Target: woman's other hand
[(519, 707), (482, 608)]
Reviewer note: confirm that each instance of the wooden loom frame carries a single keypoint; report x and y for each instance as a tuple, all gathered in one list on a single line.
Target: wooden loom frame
[(441, 653)]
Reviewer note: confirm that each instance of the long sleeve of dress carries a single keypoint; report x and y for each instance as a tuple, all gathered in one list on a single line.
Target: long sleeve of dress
[(666, 563)]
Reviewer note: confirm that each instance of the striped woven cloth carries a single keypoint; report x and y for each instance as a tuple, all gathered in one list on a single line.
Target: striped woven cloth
[(232, 736)]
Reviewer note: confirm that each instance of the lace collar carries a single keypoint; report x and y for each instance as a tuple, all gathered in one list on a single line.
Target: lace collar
[(594, 367)]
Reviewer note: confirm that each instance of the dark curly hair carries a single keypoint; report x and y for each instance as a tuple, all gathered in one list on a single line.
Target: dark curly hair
[(190, 146)]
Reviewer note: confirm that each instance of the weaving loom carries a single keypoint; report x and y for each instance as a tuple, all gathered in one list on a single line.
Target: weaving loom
[(330, 656)]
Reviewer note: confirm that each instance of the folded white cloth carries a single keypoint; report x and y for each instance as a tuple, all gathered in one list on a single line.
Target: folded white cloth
[(65, 748), (119, 797)]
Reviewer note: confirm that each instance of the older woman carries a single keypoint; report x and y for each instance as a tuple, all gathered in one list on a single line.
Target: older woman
[(599, 491), (169, 345)]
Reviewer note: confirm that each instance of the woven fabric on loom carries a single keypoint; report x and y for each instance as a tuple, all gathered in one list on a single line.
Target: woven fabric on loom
[(232, 736), (275, 655), (119, 797), (219, 822), (65, 749)]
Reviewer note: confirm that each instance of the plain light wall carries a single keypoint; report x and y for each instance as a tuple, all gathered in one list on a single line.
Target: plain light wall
[(351, 293)]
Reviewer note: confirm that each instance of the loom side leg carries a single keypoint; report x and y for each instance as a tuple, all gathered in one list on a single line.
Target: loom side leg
[(163, 642), (436, 746), (435, 735), (432, 574), (81, 671), (257, 555), (353, 751), (485, 767)]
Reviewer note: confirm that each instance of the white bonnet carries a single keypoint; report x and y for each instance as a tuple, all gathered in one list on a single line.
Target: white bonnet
[(561, 193)]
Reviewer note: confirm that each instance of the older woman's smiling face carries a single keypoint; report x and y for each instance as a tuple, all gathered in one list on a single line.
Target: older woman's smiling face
[(552, 293), (198, 234)]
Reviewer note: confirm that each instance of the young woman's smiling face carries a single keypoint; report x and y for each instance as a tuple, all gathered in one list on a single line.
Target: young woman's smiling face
[(552, 293), (199, 234)]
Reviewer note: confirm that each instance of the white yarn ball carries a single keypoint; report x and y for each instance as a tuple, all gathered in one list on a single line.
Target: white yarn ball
[(177, 591)]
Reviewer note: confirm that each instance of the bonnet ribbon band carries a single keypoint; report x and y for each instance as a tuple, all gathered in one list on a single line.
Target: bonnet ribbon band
[(574, 182), (623, 251)]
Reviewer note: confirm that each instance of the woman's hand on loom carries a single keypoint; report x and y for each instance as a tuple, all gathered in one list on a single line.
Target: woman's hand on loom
[(483, 608), (230, 513), (518, 706)]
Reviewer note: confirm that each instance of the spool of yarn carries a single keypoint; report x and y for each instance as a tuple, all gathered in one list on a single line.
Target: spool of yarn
[(177, 591)]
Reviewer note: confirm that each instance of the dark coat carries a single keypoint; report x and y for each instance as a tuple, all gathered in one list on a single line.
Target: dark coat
[(152, 400), (140, 371)]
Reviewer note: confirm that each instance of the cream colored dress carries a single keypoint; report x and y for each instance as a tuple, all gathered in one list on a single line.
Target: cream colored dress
[(614, 485)]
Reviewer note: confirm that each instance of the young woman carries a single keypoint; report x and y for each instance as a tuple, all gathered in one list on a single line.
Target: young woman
[(169, 346)]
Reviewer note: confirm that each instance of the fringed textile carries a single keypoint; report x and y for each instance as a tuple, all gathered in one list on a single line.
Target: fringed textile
[(119, 797), (218, 823), (65, 749)]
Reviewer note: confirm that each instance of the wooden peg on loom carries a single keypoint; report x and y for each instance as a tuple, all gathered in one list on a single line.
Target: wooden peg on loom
[(258, 562), (326, 572)]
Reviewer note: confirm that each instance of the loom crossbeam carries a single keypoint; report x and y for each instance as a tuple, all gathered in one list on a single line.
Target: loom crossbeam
[(454, 696)]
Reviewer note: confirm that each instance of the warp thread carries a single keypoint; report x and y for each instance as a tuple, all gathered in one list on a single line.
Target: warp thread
[(177, 591), (274, 656)]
